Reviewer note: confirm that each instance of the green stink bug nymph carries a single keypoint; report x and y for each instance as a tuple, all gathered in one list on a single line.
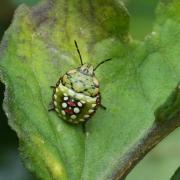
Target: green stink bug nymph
[(76, 96)]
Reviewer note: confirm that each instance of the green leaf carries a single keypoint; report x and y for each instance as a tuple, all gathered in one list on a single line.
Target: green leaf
[(38, 48), (176, 175)]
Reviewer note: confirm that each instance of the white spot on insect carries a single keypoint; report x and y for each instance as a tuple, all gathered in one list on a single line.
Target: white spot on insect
[(55, 103), (93, 105), (70, 108), (63, 112), (65, 98), (73, 117), (64, 105), (76, 110), (91, 111), (79, 104), (81, 120), (55, 96), (86, 116), (71, 92)]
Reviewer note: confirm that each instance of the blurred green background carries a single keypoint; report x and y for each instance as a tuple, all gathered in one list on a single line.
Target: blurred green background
[(159, 164)]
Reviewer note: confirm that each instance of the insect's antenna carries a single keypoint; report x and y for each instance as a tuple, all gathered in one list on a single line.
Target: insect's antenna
[(102, 62), (78, 52)]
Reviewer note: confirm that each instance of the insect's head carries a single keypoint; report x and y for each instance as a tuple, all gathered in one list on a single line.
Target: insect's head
[(82, 79)]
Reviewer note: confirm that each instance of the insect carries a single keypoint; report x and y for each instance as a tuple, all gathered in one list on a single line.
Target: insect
[(76, 96)]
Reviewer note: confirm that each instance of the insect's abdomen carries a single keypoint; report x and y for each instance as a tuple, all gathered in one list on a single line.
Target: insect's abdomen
[(74, 107)]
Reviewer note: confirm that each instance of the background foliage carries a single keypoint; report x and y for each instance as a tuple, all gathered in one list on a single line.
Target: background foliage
[(162, 159)]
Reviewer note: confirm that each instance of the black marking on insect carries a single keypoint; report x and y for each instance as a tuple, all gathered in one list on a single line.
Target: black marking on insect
[(76, 96)]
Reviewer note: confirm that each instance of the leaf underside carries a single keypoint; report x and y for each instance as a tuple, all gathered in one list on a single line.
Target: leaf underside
[(38, 48)]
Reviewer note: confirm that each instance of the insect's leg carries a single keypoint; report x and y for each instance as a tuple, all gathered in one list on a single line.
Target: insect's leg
[(53, 87), (51, 107), (103, 107), (84, 127)]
